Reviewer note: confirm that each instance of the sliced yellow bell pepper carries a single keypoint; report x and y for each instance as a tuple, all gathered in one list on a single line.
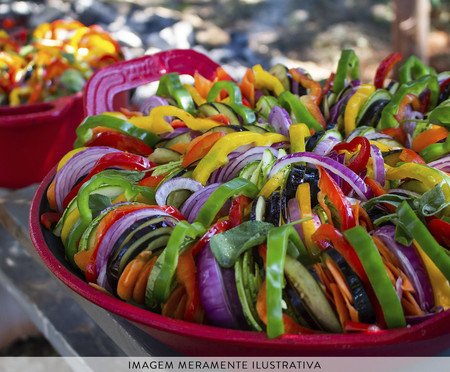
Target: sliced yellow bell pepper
[(217, 156), (273, 184), (156, 123), (303, 196), (198, 99), (265, 80), (68, 156), (68, 224), (354, 104), (440, 285), (298, 134)]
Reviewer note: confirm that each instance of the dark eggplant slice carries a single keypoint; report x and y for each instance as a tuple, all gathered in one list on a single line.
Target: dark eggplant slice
[(294, 301), (134, 240), (273, 209), (370, 112), (360, 299), (298, 175), (312, 141)]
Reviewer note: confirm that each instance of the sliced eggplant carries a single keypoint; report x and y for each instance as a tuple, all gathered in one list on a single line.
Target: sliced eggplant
[(216, 108), (361, 301), (182, 138), (294, 301), (273, 209), (312, 295), (302, 174), (370, 112), (392, 157)]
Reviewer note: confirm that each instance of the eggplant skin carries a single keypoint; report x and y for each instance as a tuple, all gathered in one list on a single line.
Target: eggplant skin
[(273, 209), (298, 175), (361, 300), (312, 141), (373, 113)]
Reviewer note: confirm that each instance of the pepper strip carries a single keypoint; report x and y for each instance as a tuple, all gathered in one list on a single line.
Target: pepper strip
[(388, 115), (373, 265), (413, 66), (277, 245), (217, 156), (329, 188), (436, 151), (84, 130), (359, 163), (156, 122), (265, 80), (225, 191), (235, 99), (315, 90), (303, 196), (412, 224), (354, 105), (385, 67), (348, 65), (161, 277), (298, 109), (170, 86), (297, 135)]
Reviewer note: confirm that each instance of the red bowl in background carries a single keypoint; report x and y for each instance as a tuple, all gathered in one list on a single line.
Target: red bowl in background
[(427, 338), (33, 138)]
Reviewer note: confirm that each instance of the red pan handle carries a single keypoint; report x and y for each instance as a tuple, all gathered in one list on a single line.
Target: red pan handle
[(105, 84)]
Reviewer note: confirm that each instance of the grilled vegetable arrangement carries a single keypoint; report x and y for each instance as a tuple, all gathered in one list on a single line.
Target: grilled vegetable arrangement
[(54, 61), (274, 204)]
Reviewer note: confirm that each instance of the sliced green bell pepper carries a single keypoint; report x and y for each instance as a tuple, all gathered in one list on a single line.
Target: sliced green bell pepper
[(373, 265), (413, 69), (411, 224), (348, 65), (298, 109), (235, 99), (278, 240), (84, 130), (170, 87), (441, 114), (225, 191), (436, 151), (415, 87), (159, 283)]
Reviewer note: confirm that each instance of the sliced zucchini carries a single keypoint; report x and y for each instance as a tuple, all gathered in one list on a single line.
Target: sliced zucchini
[(370, 112), (312, 295), (164, 156)]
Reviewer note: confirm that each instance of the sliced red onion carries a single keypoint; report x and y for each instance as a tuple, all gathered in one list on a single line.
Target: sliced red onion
[(151, 103), (232, 169), (412, 265), (333, 166), (175, 133), (336, 109), (76, 167), (280, 120), (114, 233), (442, 164), (398, 287), (416, 319), (378, 165), (355, 83), (179, 183), (192, 205), (325, 146), (280, 145), (376, 135), (218, 292), (294, 215)]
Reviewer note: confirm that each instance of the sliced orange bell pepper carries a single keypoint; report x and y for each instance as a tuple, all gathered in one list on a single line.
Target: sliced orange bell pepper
[(248, 87), (435, 134), (200, 146), (409, 156)]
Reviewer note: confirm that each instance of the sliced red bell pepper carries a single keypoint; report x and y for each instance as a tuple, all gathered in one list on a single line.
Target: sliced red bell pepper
[(107, 137), (217, 228), (440, 229), (385, 67), (375, 186), (121, 160), (396, 133), (335, 195), (221, 118), (49, 219), (200, 146), (328, 84), (351, 326), (237, 210), (410, 156), (177, 123)]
